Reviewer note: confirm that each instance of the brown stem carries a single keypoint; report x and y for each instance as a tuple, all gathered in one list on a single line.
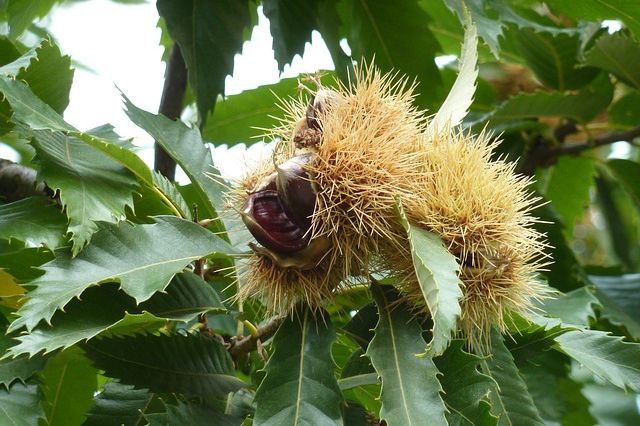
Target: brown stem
[(244, 345), (543, 152), (175, 87), (576, 148), (18, 182)]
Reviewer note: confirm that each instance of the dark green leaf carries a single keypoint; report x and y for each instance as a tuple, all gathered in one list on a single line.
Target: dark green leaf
[(437, 272), (465, 388), (85, 319), (358, 368), (623, 290), (553, 59), (209, 35), (617, 54), (582, 106), (240, 118), (34, 221), (171, 195), (186, 296), (410, 387), (510, 400), (68, 384), (291, 24), (397, 33), (185, 413), (628, 174), (22, 262), (21, 368), (607, 356), (119, 404), (300, 386), (20, 405), (567, 186), (625, 10), (191, 364), (360, 328), (142, 258), (186, 147)]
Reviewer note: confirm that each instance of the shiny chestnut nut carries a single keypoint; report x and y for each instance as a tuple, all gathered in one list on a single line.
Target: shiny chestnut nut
[(295, 190), (278, 211), (268, 222)]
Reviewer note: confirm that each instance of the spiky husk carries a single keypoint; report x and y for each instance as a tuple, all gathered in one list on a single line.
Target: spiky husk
[(480, 208), (373, 149)]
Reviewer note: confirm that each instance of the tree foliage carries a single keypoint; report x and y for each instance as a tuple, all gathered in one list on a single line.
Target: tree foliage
[(117, 284)]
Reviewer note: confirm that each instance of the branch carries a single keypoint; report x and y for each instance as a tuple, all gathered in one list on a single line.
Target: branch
[(246, 344), (18, 182), (576, 148), (544, 152), (175, 87)]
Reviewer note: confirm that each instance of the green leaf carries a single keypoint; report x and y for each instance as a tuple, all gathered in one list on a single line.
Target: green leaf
[(489, 29), (623, 291), (20, 405), (573, 308), (437, 272), (49, 75), (456, 106), (360, 327), (510, 400), (465, 388), (300, 386), (241, 118), (209, 35), (29, 109), (22, 262), (567, 185), (172, 195), (582, 106), (607, 356), (142, 258), (554, 59), (594, 10), (397, 34), (85, 319), (22, 368), (119, 404), (92, 186), (185, 413), (625, 112), (291, 25), (22, 13), (34, 221), (186, 147), (410, 387), (612, 406), (192, 364), (618, 54), (627, 173), (68, 384), (187, 296)]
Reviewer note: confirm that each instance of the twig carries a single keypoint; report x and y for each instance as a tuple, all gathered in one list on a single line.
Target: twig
[(244, 345), (543, 152), (576, 148), (18, 182), (175, 87)]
